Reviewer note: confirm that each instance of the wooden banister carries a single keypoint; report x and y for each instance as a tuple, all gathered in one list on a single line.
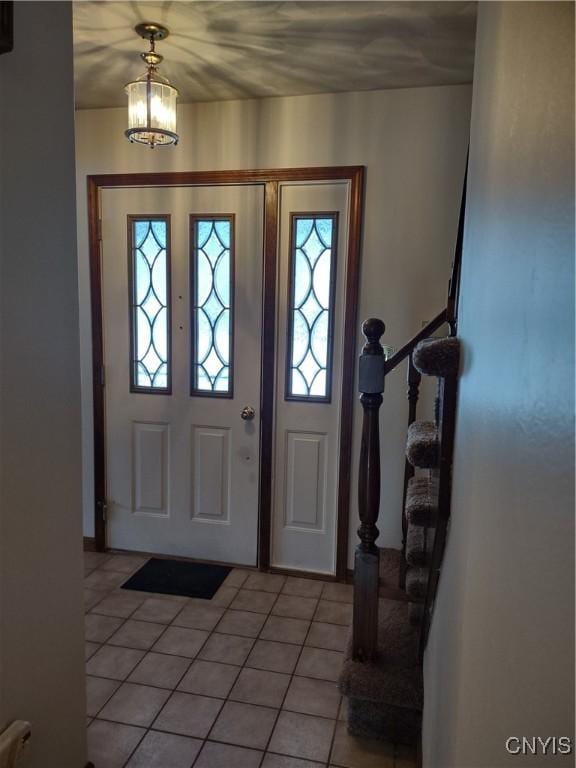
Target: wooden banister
[(409, 347), (366, 563)]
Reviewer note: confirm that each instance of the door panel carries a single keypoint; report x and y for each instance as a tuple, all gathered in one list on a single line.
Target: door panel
[(182, 470), (311, 290)]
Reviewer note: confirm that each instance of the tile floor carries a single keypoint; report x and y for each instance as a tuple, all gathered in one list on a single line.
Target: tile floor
[(245, 680)]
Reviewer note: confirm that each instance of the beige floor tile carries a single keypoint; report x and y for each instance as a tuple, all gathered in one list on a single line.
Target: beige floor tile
[(160, 669), (258, 686), (351, 752), (87, 570), (320, 664), (199, 616), (165, 750), (244, 725), (208, 678), (157, 609), (341, 593), (251, 600), (188, 715), (243, 623), (226, 756), (134, 704), (99, 628), (137, 634), (105, 580), (302, 587), (313, 697), (329, 636), (236, 578), (283, 761), (343, 714), (124, 563), (92, 597), (95, 559), (334, 613), (302, 736), (115, 663), (228, 649), (285, 630), (224, 596), (98, 691), (111, 744), (267, 582), (295, 607), (275, 657), (119, 604), (181, 641), (90, 649)]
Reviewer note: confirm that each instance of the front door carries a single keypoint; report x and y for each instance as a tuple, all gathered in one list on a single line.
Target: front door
[(182, 306)]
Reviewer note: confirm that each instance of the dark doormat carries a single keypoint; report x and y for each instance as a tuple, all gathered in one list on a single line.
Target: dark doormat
[(177, 577)]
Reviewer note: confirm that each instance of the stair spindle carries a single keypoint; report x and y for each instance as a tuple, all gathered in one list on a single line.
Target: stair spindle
[(366, 563), (413, 392)]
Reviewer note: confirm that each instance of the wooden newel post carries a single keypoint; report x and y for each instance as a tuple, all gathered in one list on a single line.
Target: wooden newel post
[(366, 563)]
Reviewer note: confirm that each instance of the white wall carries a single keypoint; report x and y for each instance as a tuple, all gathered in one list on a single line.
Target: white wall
[(500, 661), (413, 142), (41, 627)]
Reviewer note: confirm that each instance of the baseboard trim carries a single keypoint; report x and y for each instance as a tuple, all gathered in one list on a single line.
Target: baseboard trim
[(89, 546)]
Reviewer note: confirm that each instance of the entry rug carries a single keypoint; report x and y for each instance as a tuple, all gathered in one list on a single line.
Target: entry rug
[(178, 577)]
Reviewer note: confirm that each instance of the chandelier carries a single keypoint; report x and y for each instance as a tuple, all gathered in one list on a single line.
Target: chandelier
[(151, 98)]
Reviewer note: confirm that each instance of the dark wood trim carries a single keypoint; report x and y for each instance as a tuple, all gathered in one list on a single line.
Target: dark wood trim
[(294, 217), (268, 357), (349, 366), (270, 179), (89, 544), (193, 219), (303, 574), (131, 218), (6, 26), (97, 365)]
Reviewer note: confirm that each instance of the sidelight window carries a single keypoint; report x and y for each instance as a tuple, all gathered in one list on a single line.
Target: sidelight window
[(211, 279), (311, 306), (149, 282)]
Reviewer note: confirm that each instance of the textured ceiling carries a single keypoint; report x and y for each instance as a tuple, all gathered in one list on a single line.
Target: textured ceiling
[(236, 50)]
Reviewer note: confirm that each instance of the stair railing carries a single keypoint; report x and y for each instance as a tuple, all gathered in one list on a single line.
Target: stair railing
[(373, 369)]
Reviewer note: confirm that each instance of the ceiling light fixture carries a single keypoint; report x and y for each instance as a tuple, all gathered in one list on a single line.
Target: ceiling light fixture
[(151, 98)]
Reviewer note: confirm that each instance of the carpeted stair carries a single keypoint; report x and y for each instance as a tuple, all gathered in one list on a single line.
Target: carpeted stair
[(421, 501), (437, 357), (422, 444), (385, 698), (419, 543), (416, 583)]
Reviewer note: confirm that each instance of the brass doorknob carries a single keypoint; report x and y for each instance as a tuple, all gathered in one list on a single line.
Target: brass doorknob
[(248, 413)]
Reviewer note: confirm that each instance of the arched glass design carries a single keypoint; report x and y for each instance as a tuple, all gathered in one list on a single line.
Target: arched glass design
[(311, 306), (149, 281), (211, 278)]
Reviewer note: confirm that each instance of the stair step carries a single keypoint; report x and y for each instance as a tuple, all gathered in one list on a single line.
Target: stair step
[(385, 697), (437, 357), (419, 543), (417, 583), (416, 614), (422, 444), (421, 501)]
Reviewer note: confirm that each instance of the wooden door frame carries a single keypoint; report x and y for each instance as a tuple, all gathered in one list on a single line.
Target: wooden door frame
[(270, 180)]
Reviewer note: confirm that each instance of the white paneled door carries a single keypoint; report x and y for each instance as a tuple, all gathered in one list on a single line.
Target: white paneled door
[(182, 302), (182, 299)]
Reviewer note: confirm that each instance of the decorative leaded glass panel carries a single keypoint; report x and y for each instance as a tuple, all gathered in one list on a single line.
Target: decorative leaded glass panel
[(211, 272), (311, 309), (150, 304)]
